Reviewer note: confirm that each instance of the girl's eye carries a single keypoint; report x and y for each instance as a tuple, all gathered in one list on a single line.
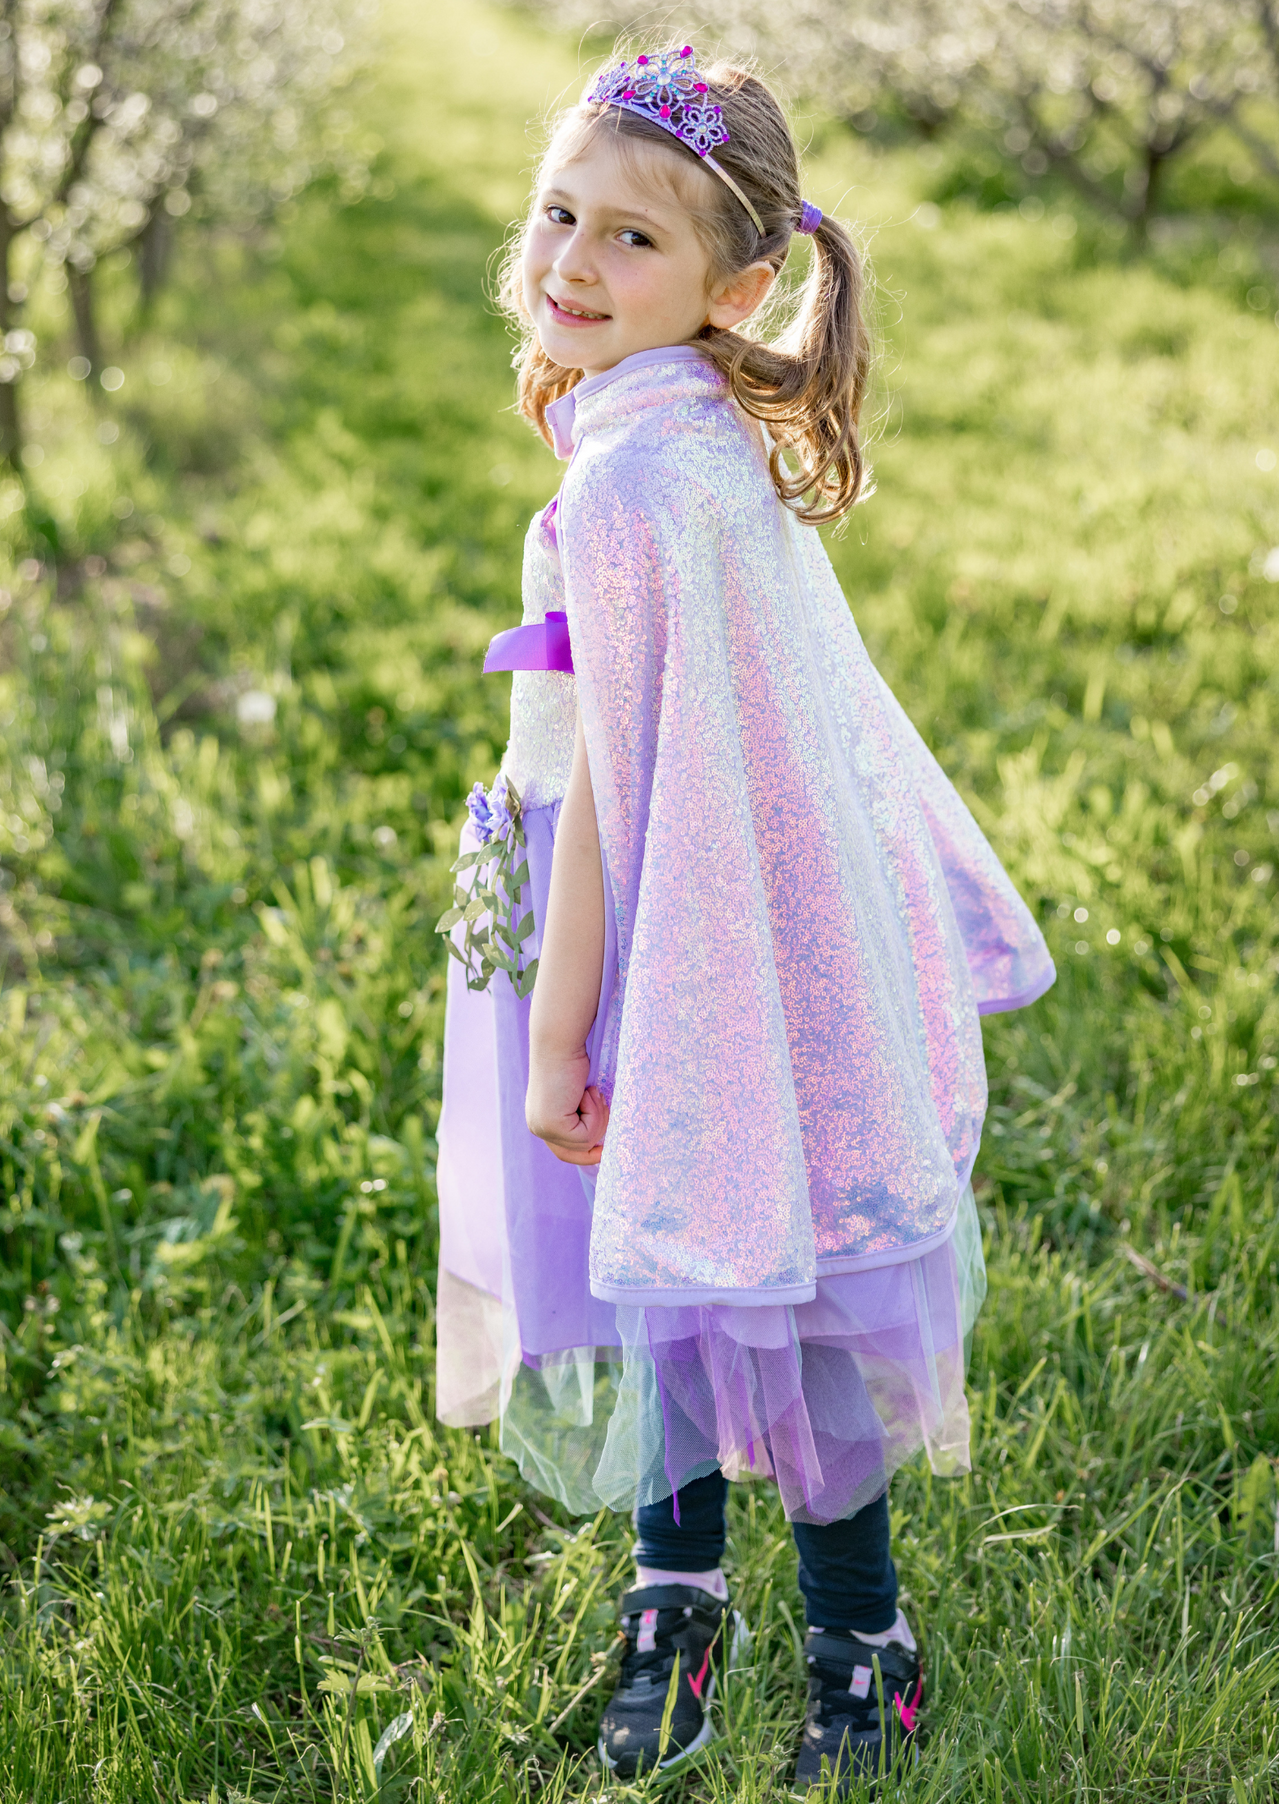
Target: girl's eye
[(636, 240), (560, 216)]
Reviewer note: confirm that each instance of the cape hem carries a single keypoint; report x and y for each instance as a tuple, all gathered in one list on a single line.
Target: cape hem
[(871, 1262), (762, 1296), (1004, 1005)]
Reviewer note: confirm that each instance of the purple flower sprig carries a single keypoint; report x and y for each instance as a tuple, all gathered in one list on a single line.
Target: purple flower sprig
[(481, 813), (491, 811), (501, 811), (487, 907)]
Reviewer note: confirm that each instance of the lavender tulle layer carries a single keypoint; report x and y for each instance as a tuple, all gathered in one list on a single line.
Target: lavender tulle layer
[(604, 1404)]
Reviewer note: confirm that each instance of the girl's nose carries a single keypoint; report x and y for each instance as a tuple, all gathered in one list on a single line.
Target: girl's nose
[(575, 263)]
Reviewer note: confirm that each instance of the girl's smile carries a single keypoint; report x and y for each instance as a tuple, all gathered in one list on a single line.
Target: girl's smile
[(573, 316)]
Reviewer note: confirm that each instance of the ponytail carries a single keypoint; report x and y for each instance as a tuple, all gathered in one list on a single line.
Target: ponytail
[(807, 389)]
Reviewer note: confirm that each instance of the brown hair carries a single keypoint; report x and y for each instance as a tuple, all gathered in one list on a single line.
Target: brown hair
[(808, 388)]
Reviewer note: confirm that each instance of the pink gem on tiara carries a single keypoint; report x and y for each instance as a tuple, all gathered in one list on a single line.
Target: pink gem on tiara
[(670, 93)]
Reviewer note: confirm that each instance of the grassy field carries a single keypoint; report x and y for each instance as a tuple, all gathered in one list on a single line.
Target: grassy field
[(241, 709)]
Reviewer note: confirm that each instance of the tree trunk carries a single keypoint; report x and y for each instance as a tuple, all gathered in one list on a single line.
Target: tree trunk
[(11, 431), (10, 419), (1152, 169), (80, 282), (155, 246), (1155, 160)]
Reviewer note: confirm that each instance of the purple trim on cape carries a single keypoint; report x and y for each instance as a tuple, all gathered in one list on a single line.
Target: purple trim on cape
[(561, 414), (759, 1298), (874, 1262), (763, 1298), (1004, 1005)]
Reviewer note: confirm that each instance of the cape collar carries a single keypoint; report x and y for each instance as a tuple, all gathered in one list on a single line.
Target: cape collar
[(561, 415)]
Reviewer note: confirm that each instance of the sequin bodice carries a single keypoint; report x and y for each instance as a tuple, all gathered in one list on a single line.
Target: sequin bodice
[(539, 753)]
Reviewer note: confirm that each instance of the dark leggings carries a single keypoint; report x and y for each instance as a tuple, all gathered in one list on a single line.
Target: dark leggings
[(845, 1569)]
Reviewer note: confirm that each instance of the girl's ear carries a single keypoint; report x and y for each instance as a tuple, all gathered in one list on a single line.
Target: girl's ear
[(738, 298)]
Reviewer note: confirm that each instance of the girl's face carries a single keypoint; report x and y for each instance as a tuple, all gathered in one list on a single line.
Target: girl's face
[(612, 265)]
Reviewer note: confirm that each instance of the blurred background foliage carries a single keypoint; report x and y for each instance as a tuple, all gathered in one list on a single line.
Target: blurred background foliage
[(249, 560), (1135, 106)]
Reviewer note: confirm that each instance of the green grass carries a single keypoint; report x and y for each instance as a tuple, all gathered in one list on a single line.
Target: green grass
[(237, 1546)]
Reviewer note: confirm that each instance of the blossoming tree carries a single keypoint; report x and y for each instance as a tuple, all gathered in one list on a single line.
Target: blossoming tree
[(118, 117)]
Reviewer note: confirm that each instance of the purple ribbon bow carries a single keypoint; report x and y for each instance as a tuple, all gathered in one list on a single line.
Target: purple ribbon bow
[(542, 646)]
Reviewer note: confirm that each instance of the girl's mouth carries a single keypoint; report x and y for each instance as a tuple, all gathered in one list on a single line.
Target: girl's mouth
[(574, 316)]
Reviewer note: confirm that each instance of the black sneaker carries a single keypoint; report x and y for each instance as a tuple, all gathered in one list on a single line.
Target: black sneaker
[(846, 1734), (664, 1624)]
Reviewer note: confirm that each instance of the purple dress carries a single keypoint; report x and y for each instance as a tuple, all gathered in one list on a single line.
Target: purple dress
[(775, 1268)]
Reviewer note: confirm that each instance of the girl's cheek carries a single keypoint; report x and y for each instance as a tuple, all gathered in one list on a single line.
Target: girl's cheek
[(539, 245)]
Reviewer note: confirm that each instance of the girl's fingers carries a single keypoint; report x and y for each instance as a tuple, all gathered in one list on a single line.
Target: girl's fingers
[(568, 1155), (594, 1113), (582, 1143)]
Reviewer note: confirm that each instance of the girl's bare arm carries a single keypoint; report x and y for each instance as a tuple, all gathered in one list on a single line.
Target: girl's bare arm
[(559, 1108)]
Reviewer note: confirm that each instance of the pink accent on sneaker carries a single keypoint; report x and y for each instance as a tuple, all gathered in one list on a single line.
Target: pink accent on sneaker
[(907, 1711), (647, 1640), (695, 1685)]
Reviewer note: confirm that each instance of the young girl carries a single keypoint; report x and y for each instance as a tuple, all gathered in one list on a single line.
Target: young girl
[(704, 1200)]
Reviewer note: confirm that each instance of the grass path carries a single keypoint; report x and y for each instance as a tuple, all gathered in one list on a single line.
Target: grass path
[(239, 1551)]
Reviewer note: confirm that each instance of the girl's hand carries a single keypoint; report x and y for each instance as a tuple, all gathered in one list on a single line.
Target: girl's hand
[(561, 1110)]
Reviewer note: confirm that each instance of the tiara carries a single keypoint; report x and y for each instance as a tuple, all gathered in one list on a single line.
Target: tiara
[(669, 91)]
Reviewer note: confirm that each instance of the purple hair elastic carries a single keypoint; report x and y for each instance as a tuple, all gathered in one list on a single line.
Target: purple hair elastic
[(810, 217), (670, 92)]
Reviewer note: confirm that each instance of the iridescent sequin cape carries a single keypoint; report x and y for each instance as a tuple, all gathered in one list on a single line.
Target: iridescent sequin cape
[(778, 1264), (808, 919)]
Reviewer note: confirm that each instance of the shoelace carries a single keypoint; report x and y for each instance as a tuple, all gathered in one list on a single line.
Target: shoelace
[(834, 1679), (659, 1659)]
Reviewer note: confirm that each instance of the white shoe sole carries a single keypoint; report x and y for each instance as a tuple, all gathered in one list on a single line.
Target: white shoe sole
[(741, 1640)]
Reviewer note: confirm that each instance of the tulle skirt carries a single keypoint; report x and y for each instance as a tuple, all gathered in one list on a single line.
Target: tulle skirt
[(613, 1404)]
